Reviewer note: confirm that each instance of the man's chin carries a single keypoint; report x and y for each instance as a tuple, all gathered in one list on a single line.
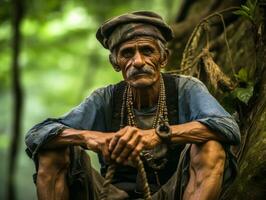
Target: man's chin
[(141, 83)]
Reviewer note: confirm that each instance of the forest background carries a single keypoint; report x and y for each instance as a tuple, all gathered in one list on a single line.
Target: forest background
[(61, 63), (50, 61)]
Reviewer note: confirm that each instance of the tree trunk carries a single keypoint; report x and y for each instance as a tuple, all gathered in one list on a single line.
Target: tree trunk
[(227, 52), (17, 11)]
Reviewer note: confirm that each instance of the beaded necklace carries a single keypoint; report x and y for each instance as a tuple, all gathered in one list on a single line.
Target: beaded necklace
[(161, 112)]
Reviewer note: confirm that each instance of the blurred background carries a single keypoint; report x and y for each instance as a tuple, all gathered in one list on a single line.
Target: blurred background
[(50, 61), (60, 63)]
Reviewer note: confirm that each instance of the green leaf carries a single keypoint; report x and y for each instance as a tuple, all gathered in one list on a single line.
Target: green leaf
[(244, 94), (238, 12), (245, 8), (242, 75), (242, 13), (251, 5), (246, 15)]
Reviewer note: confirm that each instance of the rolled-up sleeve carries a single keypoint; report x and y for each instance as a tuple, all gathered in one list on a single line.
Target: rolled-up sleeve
[(197, 104), (40, 134), (82, 117)]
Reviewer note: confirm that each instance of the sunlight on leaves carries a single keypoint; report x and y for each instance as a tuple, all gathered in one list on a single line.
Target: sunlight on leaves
[(244, 94)]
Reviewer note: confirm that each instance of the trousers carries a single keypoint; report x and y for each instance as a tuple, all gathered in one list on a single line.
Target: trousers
[(85, 183)]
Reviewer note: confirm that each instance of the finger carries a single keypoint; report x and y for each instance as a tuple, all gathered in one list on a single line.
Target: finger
[(115, 139), (135, 153), (113, 142), (106, 152), (106, 156), (130, 146), (122, 142)]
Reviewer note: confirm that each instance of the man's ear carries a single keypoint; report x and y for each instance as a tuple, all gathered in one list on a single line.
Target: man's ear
[(112, 60), (164, 57)]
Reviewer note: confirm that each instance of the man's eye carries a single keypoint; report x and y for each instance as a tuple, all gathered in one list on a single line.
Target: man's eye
[(147, 51), (127, 53)]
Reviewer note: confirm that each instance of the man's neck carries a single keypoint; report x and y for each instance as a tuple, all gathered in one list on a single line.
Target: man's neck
[(147, 96)]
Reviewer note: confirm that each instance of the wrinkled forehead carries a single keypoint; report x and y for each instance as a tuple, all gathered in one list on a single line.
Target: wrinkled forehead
[(139, 41)]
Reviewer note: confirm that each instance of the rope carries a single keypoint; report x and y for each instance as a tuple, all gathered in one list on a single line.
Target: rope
[(110, 174), (191, 45)]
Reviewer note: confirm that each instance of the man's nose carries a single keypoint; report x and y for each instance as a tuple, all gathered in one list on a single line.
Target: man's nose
[(138, 60)]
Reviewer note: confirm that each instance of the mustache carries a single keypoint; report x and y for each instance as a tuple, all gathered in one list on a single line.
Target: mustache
[(144, 70)]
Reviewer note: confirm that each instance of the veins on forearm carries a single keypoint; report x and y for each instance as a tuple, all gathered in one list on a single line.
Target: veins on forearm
[(68, 137), (193, 132)]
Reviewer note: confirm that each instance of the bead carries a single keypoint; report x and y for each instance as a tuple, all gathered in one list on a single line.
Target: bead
[(128, 103)]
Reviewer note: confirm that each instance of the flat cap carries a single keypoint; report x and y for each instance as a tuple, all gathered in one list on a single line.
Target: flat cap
[(151, 19)]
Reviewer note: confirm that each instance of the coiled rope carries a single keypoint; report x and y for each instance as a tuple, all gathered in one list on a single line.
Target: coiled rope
[(109, 176)]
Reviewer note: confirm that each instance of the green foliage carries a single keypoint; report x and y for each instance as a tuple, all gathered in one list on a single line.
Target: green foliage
[(245, 92), (242, 93), (242, 75), (4, 10), (4, 141), (248, 10)]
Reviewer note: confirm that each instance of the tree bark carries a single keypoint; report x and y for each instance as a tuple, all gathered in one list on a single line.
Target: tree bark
[(246, 42), (17, 15)]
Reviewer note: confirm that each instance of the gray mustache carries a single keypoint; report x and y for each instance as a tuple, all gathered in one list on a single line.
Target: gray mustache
[(135, 71)]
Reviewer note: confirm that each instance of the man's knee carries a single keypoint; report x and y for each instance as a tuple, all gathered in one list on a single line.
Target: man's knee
[(209, 157), (52, 163)]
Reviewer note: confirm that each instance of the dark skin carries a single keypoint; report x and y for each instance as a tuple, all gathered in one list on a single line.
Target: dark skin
[(140, 60)]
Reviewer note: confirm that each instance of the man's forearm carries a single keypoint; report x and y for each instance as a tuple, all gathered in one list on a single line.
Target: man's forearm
[(68, 137), (193, 132)]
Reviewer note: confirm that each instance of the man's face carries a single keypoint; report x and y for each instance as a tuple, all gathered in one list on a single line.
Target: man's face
[(140, 60)]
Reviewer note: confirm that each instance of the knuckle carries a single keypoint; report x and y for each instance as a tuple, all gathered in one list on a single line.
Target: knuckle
[(116, 136), (138, 133), (101, 142), (144, 142), (135, 129)]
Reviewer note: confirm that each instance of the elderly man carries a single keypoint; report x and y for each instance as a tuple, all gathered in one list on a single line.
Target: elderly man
[(178, 129)]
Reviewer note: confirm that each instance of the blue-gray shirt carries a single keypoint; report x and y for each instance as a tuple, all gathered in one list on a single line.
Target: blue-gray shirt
[(195, 103)]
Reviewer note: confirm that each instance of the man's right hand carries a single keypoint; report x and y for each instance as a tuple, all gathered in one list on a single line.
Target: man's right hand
[(122, 146), (98, 142)]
